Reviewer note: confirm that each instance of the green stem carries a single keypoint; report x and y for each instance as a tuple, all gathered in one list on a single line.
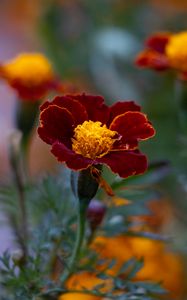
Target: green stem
[(181, 99), (23, 210), (15, 158), (78, 243)]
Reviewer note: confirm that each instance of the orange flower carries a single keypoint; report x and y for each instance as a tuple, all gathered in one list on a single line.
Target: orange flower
[(171, 6), (31, 74), (78, 296), (165, 51), (88, 281), (160, 214), (159, 263)]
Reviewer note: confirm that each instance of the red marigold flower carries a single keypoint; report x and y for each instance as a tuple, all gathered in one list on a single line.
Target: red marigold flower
[(85, 132), (165, 51), (30, 74)]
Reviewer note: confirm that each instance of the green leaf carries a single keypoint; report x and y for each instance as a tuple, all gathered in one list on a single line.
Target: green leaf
[(135, 268), (151, 287), (156, 172)]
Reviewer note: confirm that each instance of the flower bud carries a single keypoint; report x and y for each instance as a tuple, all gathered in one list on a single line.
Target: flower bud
[(14, 147), (84, 186), (95, 213), (25, 118)]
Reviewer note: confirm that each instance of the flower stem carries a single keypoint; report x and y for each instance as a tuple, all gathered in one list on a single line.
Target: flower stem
[(78, 243), (181, 99), (16, 165), (22, 204)]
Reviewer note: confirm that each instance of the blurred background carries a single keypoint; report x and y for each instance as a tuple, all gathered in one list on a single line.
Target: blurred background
[(93, 45)]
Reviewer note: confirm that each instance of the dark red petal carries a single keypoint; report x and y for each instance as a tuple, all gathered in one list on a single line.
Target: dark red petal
[(158, 42), (153, 60), (56, 124), (132, 126), (46, 104), (77, 110), (95, 107), (73, 161), (120, 107), (30, 93), (125, 163)]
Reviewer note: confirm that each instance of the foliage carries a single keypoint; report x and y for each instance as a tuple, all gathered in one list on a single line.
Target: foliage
[(52, 218), (94, 44)]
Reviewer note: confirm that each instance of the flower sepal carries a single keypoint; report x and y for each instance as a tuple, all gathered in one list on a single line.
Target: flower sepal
[(84, 185)]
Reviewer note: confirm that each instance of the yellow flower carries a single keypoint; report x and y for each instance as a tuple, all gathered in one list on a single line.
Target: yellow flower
[(31, 74), (176, 51), (165, 51)]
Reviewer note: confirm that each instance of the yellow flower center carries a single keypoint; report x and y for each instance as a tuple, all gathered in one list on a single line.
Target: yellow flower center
[(31, 69), (92, 139), (176, 51)]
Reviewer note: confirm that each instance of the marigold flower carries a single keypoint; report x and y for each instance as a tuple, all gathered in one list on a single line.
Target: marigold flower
[(84, 132), (160, 264), (165, 51), (88, 281), (78, 296), (31, 74)]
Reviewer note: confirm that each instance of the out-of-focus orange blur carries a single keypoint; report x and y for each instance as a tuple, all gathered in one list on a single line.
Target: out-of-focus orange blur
[(171, 5), (160, 264)]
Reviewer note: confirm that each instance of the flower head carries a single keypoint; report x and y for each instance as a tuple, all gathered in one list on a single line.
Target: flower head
[(84, 132), (165, 51), (176, 51), (160, 263), (31, 74), (86, 281)]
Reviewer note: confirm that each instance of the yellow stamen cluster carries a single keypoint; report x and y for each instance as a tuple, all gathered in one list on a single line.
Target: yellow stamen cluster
[(176, 51), (92, 139), (32, 69)]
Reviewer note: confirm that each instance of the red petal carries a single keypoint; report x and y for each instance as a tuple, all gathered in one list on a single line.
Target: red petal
[(30, 93), (95, 107), (153, 60), (57, 100), (125, 163), (77, 110), (56, 124), (132, 126), (158, 42), (121, 107), (73, 161)]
